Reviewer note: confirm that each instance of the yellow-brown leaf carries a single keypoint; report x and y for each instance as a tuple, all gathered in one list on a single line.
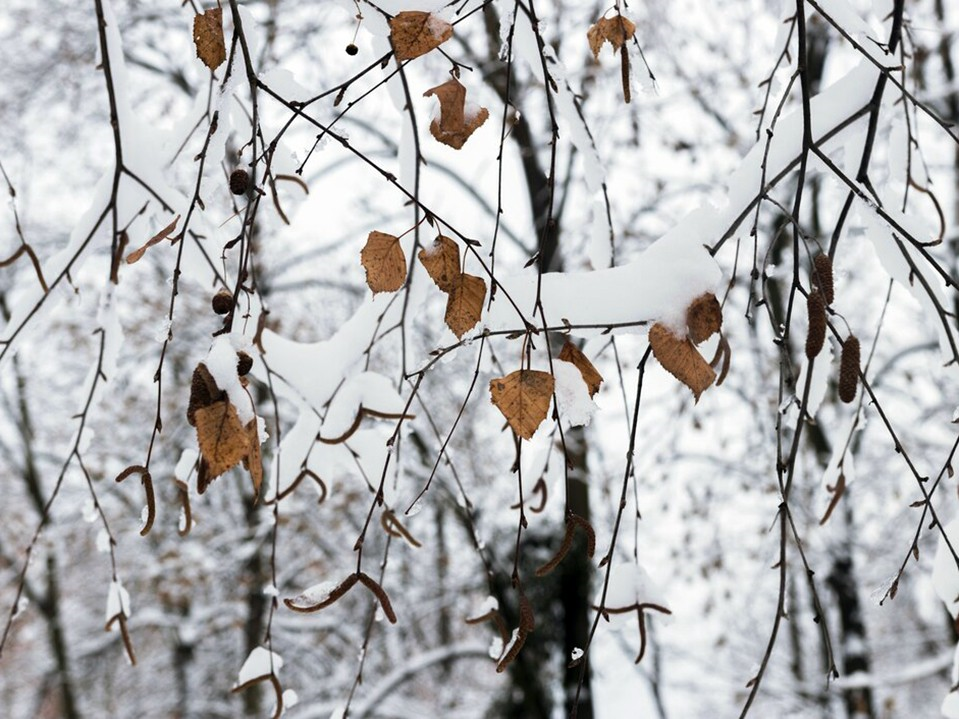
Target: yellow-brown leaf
[(456, 123), (523, 397), (254, 459), (442, 262), (163, 234), (208, 37), (572, 354), (616, 31), (704, 318), (680, 358), (465, 303), (383, 259), (415, 33), (223, 440)]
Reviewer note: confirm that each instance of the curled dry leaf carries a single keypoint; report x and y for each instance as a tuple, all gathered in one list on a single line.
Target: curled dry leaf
[(680, 358), (253, 461), (162, 235), (523, 397), (457, 120), (704, 318), (616, 31), (465, 303), (415, 33), (442, 262), (572, 354), (208, 37), (383, 259), (223, 440)]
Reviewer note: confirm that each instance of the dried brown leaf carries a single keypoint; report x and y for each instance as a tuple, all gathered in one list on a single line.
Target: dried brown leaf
[(415, 33), (680, 358), (572, 354), (704, 318), (523, 397), (442, 262), (223, 440), (457, 122), (383, 259), (203, 392), (162, 235), (208, 37), (253, 462), (465, 303), (616, 31)]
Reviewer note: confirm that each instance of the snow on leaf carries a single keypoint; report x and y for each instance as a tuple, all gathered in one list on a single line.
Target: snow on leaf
[(574, 400), (162, 235), (465, 303), (616, 31), (457, 120), (383, 259), (118, 602), (704, 318), (260, 663), (208, 37), (523, 397), (630, 585), (945, 568), (572, 354), (680, 358), (223, 440), (415, 33), (442, 262)]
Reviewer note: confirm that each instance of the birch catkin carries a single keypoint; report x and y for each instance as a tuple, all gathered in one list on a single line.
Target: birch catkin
[(823, 266), (816, 325), (849, 369)]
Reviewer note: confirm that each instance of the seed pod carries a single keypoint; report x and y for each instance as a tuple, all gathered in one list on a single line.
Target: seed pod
[(816, 324), (352, 49), (823, 266), (849, 369), (222, 302), (244, 363), (239, 179)]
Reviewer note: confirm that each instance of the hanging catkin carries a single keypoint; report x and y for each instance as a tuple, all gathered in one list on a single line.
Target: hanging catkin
[(817, 324), (823, 266), (849, 369)]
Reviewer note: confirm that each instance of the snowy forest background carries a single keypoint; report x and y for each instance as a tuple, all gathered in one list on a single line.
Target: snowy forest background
[(772, 549)]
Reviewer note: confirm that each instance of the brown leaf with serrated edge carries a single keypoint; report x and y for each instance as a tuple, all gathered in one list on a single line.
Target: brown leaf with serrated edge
[(223, 440), (383, 259), (616, 31), (208, 37), (162, 235), (465, 303), (253, 462), (415, 33), (523, 397), (572, 354), (442, 262), (456, 123), (704, 318), (680, 358)]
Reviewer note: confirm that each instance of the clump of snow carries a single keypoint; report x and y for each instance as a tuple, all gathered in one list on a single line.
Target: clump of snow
[(290, 698), (631, 585), (118, 601), (221, 361), (496, 647), (945, 568), (576, 654), (259, 663), (103, 541), (488, 605), (573, 397)]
